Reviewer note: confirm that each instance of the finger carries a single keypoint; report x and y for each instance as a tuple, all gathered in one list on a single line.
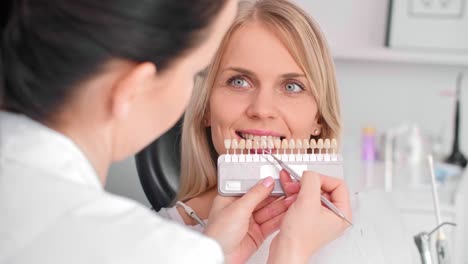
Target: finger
[(310, 187), (290, 187), (272, 225), (336, 191), (255, 195), (267, 201), (221, 202), (335, 188), (272, 210)]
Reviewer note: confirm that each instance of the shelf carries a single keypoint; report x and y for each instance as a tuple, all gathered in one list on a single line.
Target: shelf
[(387, 55)]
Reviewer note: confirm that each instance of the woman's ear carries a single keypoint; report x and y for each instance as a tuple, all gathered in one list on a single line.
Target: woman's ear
[(317, 128), (131, 83)]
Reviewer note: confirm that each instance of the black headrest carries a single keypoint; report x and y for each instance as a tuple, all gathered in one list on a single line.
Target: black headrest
[(158, 167)]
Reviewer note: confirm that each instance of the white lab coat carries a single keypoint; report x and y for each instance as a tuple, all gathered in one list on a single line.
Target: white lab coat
[(53, 208)]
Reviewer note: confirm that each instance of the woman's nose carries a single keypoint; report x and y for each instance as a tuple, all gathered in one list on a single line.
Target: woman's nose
[(262, 105)]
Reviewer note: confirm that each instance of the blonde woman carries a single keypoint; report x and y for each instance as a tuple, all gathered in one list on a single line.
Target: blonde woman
[(272, 76)]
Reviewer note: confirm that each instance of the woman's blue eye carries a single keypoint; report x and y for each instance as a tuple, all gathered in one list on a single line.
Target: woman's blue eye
[(238, 82), (293, 88)]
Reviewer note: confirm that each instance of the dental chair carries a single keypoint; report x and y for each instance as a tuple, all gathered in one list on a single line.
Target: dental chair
[(158, 167)]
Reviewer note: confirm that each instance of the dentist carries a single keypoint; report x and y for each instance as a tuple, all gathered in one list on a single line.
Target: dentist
[(85, 83)]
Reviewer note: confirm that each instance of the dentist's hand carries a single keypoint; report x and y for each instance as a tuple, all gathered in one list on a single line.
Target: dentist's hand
[(307, 225), (240, 225)]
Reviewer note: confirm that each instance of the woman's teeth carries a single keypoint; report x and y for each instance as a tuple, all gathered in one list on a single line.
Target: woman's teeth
[(257, 137)]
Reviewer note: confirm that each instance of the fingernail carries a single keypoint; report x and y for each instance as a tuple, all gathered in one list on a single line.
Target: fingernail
[(267, 182)]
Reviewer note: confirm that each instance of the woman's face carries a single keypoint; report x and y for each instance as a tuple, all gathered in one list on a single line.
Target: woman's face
[(260, 91)]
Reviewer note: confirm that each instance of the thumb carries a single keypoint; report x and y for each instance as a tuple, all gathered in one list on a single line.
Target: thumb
[(256, 194), (310, 187)]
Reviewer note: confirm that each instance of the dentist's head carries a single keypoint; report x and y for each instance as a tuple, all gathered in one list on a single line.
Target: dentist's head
[(111, 75)]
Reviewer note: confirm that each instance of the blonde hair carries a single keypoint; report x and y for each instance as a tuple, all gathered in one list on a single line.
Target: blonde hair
[(305, 42)]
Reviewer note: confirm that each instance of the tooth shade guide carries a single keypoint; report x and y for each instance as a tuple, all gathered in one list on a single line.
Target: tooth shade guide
[(256, 146), (298, 146), (326, 149), (234, 145), (320, 145), (242, 146), (305, 145), (277, 145), (263, 143), (227, 145), (284, 145), (271, 144), (326, 145), (292, 145)]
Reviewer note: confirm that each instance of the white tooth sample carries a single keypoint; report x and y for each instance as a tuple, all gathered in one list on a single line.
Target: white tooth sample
[(299, 144), (284, 144), (256, 138), (248, 144), (320, 143), (269, 138), (227, 144), (292, 144), (263, 143), (242, 144), (234, 144), (334, 144), (326, 143), (256, 145), (313, 145), (264, 138), (251, 136), (277, 143), (271, 144), (305, 144)]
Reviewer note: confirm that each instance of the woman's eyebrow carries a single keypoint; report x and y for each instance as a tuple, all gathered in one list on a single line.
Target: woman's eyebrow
[(293, 75), (241, 70), (251, 73)]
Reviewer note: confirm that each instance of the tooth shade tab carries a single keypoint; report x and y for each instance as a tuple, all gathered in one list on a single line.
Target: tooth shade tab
[(271, 144), (326, 143), (292, 144), (320, 143), (305, 143), (263, 144), (256, 144), (248, 144), (234, 143), (242, 144), (313, 144), (334, 143), (298, 144), (277, 143), (284, 144), (227, 144)]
